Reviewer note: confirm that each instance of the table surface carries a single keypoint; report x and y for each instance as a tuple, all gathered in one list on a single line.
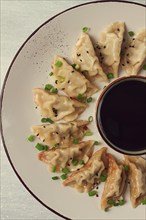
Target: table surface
[(16, 202)]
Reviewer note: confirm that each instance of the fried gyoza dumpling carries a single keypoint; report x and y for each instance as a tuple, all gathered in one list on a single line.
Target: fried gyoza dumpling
[(137, 178), (84, 55), (71, 81), (68, 157), (115, 184), (135, 54), (109, 47), (57, 107), (85, 179), (60, 133)]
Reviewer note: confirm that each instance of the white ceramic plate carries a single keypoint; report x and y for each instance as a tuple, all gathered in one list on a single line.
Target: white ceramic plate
[(30, 69)]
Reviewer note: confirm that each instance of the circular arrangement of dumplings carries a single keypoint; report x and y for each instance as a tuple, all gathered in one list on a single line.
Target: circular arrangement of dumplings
[(81, 167)]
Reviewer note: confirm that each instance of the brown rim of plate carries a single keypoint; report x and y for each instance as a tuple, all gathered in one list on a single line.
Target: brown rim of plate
[(6, 78), (97, 106)]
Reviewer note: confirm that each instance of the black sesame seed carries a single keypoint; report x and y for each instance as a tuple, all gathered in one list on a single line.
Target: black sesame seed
[(100, 54), (56, 81), (132, 46), (78, 169), (36, 107), (37, 135), (127, 54), (133, 39), (63, 89), (87, 51), (118, 29), (104, 47), (78, 54), (44, 126), (123, 64), (68, 81), (57, 133), (96, 195), (72, 71), (44, 140), (80, 60), (127, 61)]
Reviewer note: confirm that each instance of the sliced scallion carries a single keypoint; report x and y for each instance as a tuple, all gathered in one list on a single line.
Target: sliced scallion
[(54, 90), (144, 67), (88, 133), (96, 143), (65, 170), (92, 193), (75, 162), (131, 33), (41, 147), (48, 87), (54, 169), (63, 176), (81, 162), (126, 168), (31, 138), (62, 79), (75, 141), (58, 63), (110, 76), (44, 120), (89, 99), (51, 73), (55, 177), (90, 119), (103, 178), (85, 29), (143, 202)]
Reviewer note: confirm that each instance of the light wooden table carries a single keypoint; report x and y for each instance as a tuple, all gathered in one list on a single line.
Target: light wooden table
[(18, 20)]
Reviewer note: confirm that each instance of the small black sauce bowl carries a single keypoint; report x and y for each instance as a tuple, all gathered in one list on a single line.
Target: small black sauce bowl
[(98, 118)]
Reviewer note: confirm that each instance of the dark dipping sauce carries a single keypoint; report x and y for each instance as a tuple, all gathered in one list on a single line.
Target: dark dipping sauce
[(123, 115)]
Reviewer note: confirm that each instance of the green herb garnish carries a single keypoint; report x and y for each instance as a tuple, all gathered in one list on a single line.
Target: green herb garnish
[(48, 87), (44, 120), (92, 193), (55, 177), (143, 202), (80, 97), (41, 147), (54, 169), (65, 170), (85, 29), (103, 178), (76, 66), (90, 119), (75, 162), (144, 67), (54, 90), (96, 143), (31, 138), (121, 202), (58, 63), (62, 79), (110, 76), (126, 168), (131, 33), (63, 176), (51, 73), (110, 202), (55, 146), (75, 141), (89, 99), (81, 162), (88, 133)]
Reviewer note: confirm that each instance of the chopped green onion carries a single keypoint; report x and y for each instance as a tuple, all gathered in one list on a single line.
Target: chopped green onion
[(103, 178), (62, 79), (75, 141), (54, 90), (45, 147), (72, 124), (48, 87), (75, 162), (116, 204), (104, 87), (76, 66), (63, 176), (110, 202), (58, 63), (89, 99), (31, 138), (88, 133), (96, 143), (144, 202), (131, 33), (106, 209), (110, 76), (80, 97), (41, 147), (90, 119), (54, 169), (126, 168), (44, 120), (85, 29), (65, 170), (51, 73), (92, 193), (81, 162), (121, 202), (144, 67), (55, 177)]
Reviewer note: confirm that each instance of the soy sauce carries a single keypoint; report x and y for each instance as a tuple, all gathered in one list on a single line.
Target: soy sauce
[(123, 115)]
